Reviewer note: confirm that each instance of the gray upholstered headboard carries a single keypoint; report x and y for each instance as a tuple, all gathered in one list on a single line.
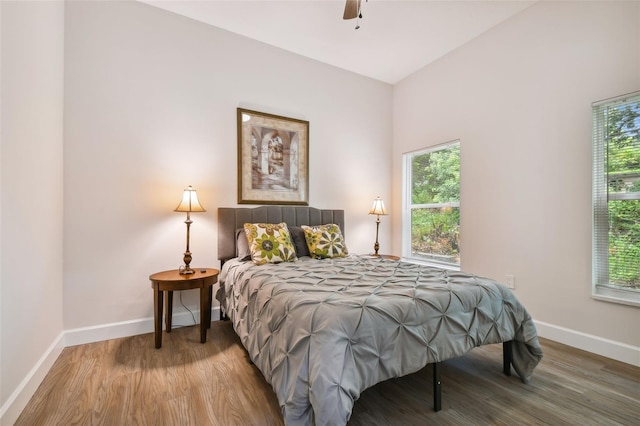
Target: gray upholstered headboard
[(231, 219)]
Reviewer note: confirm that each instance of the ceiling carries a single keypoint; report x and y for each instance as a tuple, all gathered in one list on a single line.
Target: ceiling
[(395, 38)]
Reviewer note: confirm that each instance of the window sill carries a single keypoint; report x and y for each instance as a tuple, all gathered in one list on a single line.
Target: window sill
[(432, 264), (605, 294)]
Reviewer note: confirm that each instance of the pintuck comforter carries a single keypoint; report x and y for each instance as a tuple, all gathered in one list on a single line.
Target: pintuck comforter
[(322, 331)]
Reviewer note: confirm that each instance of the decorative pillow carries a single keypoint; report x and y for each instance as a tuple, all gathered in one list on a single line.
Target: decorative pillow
[(269, 243), (242, 245), (299, 241), (325, 241)]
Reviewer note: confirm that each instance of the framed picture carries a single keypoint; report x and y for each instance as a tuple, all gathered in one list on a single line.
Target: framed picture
[(273, 159)]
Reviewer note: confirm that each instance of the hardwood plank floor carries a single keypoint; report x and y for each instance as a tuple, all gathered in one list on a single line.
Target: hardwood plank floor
[(129, 382)]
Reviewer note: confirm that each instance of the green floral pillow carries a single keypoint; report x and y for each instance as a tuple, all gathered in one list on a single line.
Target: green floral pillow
[(269, 243), (325, 241)]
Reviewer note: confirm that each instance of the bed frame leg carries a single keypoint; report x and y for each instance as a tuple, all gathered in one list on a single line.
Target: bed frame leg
[(437, 388), (507, 357), (223, 316)]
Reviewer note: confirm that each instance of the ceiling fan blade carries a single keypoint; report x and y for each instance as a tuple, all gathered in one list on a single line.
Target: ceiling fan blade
[(351, 9)]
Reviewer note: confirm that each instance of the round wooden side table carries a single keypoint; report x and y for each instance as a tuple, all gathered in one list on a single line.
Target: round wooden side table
[(170, 281), (389, 256)]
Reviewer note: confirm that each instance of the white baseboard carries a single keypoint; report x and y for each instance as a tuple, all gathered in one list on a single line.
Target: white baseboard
[(608, 348), (11, 410), (115, 330)]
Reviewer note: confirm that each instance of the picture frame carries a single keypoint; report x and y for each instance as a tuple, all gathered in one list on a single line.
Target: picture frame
[(273, 159)]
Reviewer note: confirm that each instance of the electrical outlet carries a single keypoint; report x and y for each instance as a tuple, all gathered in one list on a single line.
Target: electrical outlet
[(511, 281)]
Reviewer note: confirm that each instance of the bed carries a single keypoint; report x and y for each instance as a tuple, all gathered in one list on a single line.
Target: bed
[(322, 331)]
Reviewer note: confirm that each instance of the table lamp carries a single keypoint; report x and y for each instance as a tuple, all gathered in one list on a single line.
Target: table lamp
[(189, 203), (377, 209)]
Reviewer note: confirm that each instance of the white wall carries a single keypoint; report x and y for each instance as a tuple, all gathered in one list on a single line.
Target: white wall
[(150, 107), (2, 400), (519, 98), (31, 198)]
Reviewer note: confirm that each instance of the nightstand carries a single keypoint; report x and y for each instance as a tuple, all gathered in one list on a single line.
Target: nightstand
[(171, 281), (384, 256), (388, 256)]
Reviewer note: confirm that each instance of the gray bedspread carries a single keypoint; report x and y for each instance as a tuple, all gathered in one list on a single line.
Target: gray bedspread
[(322, 331)]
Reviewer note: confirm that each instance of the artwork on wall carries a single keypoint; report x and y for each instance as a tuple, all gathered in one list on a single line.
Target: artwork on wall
[(273, 159)]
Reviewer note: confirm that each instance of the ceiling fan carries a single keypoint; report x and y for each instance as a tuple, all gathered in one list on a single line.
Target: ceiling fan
[(352, 10)]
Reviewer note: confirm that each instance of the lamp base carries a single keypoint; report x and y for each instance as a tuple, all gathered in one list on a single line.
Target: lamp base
[(186, 270), (376, 246)]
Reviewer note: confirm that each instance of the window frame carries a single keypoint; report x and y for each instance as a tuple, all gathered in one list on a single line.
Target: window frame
[(407, 206), (601, 289)]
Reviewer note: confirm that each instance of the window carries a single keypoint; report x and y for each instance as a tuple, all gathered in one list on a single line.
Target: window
[(431, 205), (616, 199)]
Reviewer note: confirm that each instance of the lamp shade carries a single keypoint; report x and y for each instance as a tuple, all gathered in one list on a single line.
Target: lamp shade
[(189, 202), (378, 207)]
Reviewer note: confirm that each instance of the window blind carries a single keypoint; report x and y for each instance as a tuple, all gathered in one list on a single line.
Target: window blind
[(616, 193)]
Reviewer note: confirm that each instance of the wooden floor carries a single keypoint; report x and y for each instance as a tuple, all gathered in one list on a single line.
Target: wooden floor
[(129, 382)]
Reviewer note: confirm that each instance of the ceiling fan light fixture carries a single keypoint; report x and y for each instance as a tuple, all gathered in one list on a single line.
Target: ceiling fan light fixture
[(351, 9)]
